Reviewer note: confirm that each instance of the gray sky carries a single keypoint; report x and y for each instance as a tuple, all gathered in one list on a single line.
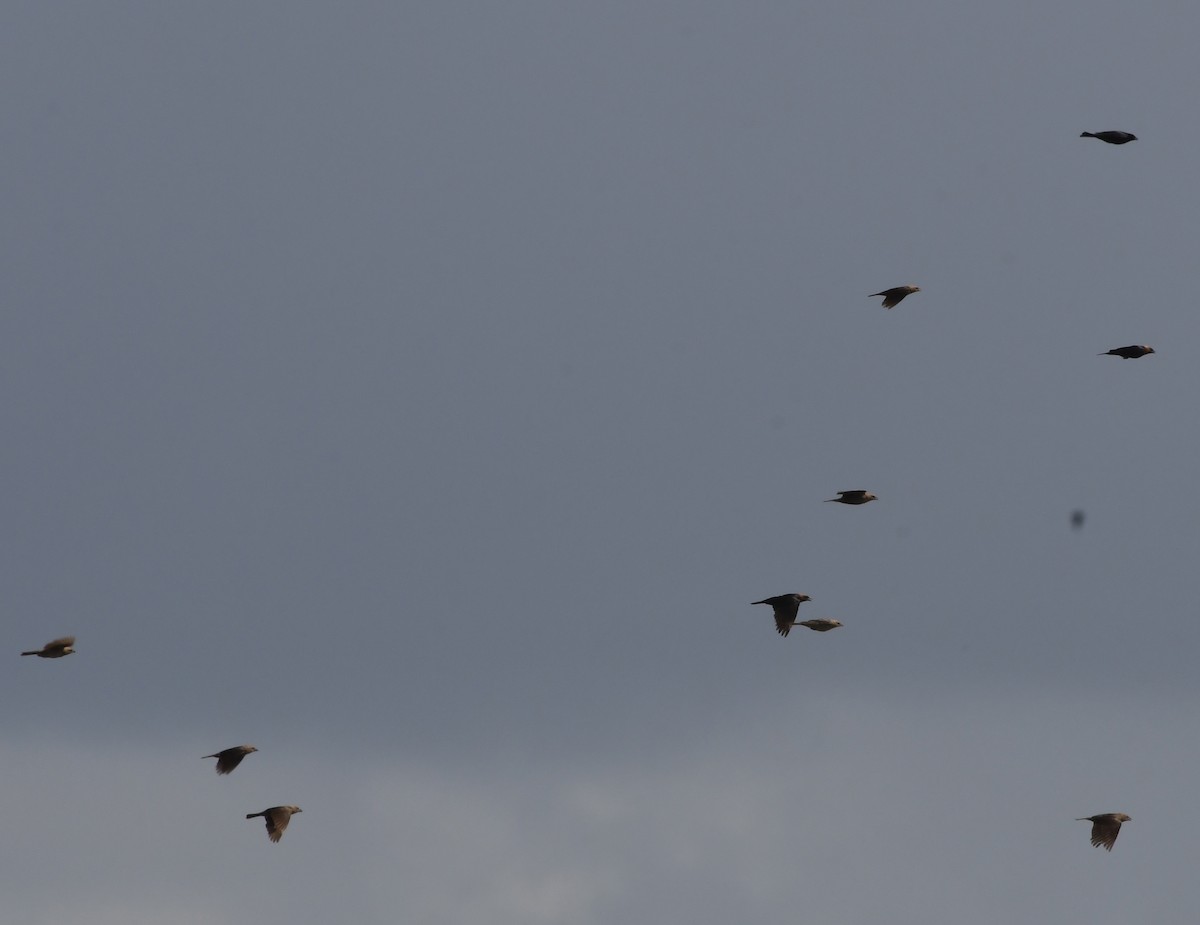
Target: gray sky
[(422, 392)]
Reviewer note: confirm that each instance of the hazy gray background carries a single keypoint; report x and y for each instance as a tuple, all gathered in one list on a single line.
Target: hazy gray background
[(422, 392)]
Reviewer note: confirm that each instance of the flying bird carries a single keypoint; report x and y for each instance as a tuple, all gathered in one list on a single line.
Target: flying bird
[(1132, 352), (1105, 828), (55, 649), (895, 295), (858, 496), (821, 625), (1112, 137), (230, 758), (786, 607), (277, 818), (1078, 517)]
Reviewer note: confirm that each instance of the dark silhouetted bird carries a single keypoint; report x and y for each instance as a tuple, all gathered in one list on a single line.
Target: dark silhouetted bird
[(230, 758), (821, 625), (1113, 137), (1105, 828), (858, 496), (1077, 519), (1132, 352), (895, 295), (277, 818), (786, 607), (55, 649)]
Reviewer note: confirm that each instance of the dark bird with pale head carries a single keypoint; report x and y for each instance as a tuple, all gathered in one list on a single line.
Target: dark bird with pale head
[(1132, 352), (230, 758), (1105, 828), (277, 818), (56, 648), (858, 496), (895, 295)]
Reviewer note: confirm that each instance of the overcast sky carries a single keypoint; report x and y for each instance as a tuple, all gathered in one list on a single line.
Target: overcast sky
[(422, 392)]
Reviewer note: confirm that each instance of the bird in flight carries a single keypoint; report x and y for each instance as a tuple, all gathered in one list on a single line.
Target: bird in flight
[(858, 496), (56, 648), (895, 295), (1105, 828), (786, 607), (277, 818), (230, 758), (1132, 352), (821, 624), (1112, 137)]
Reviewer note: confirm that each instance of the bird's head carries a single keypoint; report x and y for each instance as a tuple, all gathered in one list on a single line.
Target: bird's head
[(801, 598), (1150, 350)]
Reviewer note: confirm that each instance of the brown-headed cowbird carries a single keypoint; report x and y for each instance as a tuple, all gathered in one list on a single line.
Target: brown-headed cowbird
[(895, 295), (55, 649), (858, 496), (1112, 137), (230, 758), (277, 818), (1105, 828), (786, 607), (1132, 352), (821, 624)]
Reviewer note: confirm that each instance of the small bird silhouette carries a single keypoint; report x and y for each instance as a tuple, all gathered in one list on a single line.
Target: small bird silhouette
[(1105, 828), (277, 818), (1112, 137), (858, 496), (821, 625), (786, 607), (1078, 516), (1132, 352), (230, 758), (895, 295), (56, 648)]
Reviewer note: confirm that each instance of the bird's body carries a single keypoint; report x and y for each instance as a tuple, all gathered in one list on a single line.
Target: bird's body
[(1105, 828), (277, 818), (56, 648), (1132, 352), (821, 624), (1113, 137), (230, 758), (786, 607), (857, 496), (895, 295)]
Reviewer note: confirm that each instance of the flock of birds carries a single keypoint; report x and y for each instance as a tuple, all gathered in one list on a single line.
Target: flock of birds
[(786, 607), (277, 817)]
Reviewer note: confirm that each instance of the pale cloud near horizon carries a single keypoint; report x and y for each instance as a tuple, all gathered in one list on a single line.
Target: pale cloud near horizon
[(840, 809)]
